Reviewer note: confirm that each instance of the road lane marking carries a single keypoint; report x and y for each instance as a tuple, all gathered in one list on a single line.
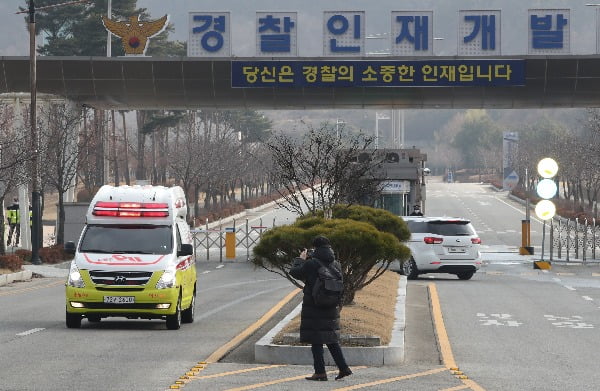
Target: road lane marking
[(442, 334), (393, 379), (230, 373), (438, 320), (223, 350), (28, 332), (569, 287), (220, 266), (33, 288), (587, 298), (219, 353), (457, 388), (282, 380)]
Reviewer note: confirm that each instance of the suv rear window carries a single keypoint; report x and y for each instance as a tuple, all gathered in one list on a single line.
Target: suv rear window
[(444, 228)]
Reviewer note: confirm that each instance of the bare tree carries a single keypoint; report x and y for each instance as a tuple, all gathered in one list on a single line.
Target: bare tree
[(14, 155), (61, 152), (326, 162)]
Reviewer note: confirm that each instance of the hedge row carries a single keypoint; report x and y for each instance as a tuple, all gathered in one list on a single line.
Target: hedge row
[(564, 208), (231, 209), (49, 255)]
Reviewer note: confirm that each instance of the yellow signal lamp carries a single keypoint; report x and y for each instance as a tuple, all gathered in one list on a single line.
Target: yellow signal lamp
[(547, 168), (545, 209)]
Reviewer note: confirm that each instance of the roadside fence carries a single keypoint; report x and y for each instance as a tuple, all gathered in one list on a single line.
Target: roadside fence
[(575, 239), (212, 239)]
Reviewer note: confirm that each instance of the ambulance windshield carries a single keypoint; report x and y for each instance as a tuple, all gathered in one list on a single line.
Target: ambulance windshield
[(127, 239)]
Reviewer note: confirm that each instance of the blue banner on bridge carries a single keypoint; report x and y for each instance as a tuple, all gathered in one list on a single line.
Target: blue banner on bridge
[(336, 73)]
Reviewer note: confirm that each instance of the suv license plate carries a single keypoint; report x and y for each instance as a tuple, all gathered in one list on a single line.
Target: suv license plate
[(119, 299), (457, 250)]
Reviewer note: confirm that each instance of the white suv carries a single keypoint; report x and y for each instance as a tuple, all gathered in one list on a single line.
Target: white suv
[(441, 245)]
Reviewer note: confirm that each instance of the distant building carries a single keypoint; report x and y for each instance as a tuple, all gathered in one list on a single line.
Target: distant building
[(402, 176)]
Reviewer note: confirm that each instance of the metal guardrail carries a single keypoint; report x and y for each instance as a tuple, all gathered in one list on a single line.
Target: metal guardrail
[(575, 238), (246, 237)]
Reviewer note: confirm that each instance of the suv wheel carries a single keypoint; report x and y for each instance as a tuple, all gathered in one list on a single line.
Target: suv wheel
[(465, 275), (73, 320), (174, 321), (409, 269), (187, 316)]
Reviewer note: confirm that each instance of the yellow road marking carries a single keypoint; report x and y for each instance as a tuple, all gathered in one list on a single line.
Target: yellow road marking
[(284, 380), (33, 288), (223, 374), (565, 274), (595, 274), (443, 340), (463, 387), (222, 351), (438, 320), (391, 380)]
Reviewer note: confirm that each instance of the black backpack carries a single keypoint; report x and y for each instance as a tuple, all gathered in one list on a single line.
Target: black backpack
[(329, 286)]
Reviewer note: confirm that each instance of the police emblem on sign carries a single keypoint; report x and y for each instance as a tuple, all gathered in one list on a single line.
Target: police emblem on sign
[(135, 34)]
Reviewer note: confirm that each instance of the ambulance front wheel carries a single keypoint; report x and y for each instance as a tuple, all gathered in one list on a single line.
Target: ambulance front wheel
[(174, 321), (73, 321)]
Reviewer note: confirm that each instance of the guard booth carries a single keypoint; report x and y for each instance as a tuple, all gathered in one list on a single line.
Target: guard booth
[(403, 179)]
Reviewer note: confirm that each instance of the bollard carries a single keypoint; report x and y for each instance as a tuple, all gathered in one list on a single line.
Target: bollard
[(551, 239), (594, 238), (559, 238), (526, 248), (230, 243), (577, 238), (584, 247)]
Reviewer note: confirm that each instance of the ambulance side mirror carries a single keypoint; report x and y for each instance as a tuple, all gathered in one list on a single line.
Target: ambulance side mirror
[(186, 249), (70, 248)]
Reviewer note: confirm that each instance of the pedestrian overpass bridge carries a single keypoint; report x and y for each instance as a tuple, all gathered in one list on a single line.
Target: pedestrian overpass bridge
[(191, 83)]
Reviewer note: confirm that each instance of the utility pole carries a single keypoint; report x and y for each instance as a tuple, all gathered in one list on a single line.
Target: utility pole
[(36, 212)]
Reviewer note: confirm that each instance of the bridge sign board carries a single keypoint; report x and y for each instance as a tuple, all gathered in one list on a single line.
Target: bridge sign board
[(363, 73)]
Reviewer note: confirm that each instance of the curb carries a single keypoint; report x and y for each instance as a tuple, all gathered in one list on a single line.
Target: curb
[(23, 275), (392, 354)]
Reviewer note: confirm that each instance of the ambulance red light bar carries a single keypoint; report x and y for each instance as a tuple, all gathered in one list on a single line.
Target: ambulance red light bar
[(131, 209)]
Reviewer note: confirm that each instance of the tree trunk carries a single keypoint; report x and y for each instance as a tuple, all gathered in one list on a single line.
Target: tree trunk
[(2, 227), (154, 172), (114, 150), (60, 234), (126, 151), (140, 172)]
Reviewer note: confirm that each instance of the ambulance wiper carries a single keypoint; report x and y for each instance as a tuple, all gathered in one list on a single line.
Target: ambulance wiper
[(95, 250)]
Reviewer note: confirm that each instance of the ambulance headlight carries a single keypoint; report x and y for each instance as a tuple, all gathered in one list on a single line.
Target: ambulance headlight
[(167, 280), (75, 279)]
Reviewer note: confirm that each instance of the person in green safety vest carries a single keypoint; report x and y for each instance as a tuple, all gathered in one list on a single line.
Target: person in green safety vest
[(13, 219)]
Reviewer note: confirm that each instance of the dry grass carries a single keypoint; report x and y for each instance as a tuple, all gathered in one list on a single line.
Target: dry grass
[(371, 314)]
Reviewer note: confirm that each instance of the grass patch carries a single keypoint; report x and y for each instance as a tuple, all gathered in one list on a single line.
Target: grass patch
[(371, 314)]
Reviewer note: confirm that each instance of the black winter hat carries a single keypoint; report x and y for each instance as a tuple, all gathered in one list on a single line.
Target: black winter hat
[(320, 241)]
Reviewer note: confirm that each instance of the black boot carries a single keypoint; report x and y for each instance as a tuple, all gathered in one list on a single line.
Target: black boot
[(318, 377), (344, 373)]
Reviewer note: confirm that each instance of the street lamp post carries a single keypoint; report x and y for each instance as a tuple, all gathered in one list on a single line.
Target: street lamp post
[(35, 191)]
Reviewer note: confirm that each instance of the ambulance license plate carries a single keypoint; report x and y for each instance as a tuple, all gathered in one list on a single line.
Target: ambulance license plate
[(119, 299)]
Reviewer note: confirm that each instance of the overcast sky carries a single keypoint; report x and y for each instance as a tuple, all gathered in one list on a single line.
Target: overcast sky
[(14, 39)]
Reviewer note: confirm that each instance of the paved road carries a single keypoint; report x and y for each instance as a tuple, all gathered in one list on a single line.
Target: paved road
[(509, 328)]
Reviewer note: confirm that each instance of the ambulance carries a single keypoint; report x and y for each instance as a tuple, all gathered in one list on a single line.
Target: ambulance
[(134, 258)]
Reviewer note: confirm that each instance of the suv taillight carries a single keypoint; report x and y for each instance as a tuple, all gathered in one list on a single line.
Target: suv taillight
[(476, 240), (432, 240)]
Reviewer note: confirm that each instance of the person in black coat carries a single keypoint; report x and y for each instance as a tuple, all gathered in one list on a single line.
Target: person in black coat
[(319, 325)]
